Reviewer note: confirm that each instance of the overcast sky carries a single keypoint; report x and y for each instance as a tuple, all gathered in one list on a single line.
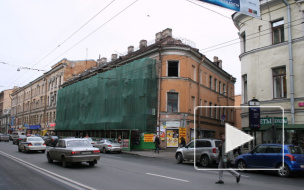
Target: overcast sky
[(39, 33)]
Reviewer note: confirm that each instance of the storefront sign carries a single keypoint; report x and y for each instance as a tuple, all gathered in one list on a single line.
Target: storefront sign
[(182, 133), (301, 104), (277, 120), (172, 124), (149, 137), (172, 138)]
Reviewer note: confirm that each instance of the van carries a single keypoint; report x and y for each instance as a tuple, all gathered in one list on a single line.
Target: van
[(16, 134)]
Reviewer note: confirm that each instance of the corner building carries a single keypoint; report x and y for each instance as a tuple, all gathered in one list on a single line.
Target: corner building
[(185, 78)]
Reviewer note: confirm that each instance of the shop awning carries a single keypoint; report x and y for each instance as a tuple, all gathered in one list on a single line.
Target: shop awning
[(34, 126), (262, 128), (292, 127)]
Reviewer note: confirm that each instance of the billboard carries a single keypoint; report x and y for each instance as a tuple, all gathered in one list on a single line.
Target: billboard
[(248, 7)]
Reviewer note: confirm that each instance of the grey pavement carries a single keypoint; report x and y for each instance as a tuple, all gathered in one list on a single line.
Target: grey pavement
[(168, 154)]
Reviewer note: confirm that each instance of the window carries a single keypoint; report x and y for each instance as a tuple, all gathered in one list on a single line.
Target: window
[(279, 83), (278, 31), (245, 92), (210, 81), (210, 109), (216, 115), (200, 77), (243, 42), (172, 103), (215, 84), (172, 68), (220, 86), (206, 104), (201, 110), (224, 88), (194, 72), (193, 103)]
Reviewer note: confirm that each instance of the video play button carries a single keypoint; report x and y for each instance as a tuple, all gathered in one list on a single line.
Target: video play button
[(235, 137)]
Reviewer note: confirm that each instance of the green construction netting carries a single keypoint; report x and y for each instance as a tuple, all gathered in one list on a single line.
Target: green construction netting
[(122, 98)]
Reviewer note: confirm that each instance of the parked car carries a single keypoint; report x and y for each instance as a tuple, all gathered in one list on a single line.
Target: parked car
[(4, 138), (91, 140), (108, 145), (51, 140), (18, 139), (32, 144), (206, 152), (73, 150), (271, 156)]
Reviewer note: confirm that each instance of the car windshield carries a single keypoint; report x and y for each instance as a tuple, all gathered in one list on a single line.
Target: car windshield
[(89, 139), (35, 139), (112, 140), (295, 150), (54, 137), (217, 143), (78, 143)]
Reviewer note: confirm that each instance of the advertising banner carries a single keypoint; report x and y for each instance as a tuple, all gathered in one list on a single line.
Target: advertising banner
[(172, 138), (149, 137), (248, 7), (182, 133)]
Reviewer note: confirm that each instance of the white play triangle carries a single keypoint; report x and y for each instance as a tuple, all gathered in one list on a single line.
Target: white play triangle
[(235, 137)]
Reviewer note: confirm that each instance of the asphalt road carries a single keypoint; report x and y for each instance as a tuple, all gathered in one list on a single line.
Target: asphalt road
[(124, 172)]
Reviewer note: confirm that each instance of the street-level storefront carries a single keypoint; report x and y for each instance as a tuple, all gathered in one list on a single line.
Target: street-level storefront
[(33, 129)]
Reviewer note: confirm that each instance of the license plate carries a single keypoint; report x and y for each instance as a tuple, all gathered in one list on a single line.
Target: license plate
[(38, 144), (86, 152)]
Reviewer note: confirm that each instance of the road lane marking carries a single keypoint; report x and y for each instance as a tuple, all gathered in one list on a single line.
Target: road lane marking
[(57, 177), (168, 177)]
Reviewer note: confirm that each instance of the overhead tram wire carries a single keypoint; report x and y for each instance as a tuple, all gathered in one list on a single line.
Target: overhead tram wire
[(66, 39)]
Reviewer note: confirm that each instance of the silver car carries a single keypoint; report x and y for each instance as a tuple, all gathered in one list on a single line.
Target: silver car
[(108, 145), (206, 152), (32, 144), (73, 150)]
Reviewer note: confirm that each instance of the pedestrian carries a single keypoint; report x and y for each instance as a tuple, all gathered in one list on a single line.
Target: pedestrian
[(225, 161), (183, 142), (119, 139), (156, 142), (237, 150), (80, 135)]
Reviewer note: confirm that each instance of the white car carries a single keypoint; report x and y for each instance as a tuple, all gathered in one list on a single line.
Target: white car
[(32, 144)]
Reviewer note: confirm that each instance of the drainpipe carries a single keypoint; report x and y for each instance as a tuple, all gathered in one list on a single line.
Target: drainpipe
[(159, 86), (290, 63)]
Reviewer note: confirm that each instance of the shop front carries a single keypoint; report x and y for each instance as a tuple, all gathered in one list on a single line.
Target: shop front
[(33, 129)]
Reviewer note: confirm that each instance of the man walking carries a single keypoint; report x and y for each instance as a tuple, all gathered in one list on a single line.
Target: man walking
[(224, 161), (156, 142)]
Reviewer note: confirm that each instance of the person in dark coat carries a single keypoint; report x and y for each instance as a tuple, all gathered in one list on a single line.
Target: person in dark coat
[(157, 143), (183, 142)]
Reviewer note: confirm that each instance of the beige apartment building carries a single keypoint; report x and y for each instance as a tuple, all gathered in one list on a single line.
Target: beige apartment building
[(272, 64), (34, 105), (5, 110)]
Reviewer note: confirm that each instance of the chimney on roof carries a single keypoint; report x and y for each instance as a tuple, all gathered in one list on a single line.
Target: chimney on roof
[(114, 57), (220, 63), (167, 32), (158, 36), (101, 61), (215, 59), (142, 44), (130, 49)]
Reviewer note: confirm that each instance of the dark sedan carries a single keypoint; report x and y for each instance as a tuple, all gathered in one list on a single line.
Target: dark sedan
[(271, 156), (18, 139), (73, 150)]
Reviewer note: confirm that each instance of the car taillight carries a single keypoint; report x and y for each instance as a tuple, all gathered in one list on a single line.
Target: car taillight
[(96, 151), (75, 152), (214, 150), (291, 157), (109, 145), (52, 139), (19, 139), (30, 144), (44, 144)]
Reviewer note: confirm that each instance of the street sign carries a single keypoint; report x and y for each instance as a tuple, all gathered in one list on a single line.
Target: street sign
[(248, 7), (254, 115), (277, 120)]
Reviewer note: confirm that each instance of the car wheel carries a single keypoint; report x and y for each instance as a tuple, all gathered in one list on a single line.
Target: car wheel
[(19, 150), (13, 142), (241, 165), (179, 158), (284, 171), (104, 150), (24, 149), (92, 163), (204, 161), (49, 158), (64, 162)]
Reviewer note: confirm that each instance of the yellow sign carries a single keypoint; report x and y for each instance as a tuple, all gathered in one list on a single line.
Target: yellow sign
[(182, 133), (148, 137)]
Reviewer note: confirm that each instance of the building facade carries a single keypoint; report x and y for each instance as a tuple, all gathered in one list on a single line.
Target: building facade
[(34, 105), (5, 110), (186, 79), (272, 64)]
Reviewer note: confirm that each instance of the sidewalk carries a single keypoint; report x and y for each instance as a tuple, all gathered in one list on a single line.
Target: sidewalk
[(168, 154)]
